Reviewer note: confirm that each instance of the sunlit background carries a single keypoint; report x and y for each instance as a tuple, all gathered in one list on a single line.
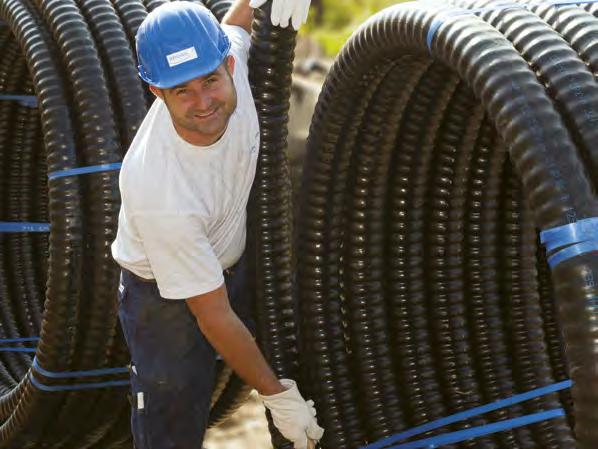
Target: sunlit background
[(331, 22)]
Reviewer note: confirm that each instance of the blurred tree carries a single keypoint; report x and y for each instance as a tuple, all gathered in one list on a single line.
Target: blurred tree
[(331, 22), (318, 10)]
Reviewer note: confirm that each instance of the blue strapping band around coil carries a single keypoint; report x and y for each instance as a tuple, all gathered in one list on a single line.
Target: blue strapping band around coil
[(439, 21), (461, 416), (476, 432), (84, 170), (581, 230), (571, 240), (17, 340), (75, 387), (71, 374), (7, 349), (26, 100), (572, 251), (6, 227)]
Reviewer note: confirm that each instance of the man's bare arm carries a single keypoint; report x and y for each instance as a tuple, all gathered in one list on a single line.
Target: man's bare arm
[(233, 341), (239, 14)]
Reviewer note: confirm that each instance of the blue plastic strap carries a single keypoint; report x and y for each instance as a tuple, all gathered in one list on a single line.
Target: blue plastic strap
[(570, 240), (18, 340), (476, 432), (6, 226), (69, 374), (443, 16), (439, 21), (84, 170), (7, 349), (89, 386), (26, 100), (573, 251), (580, 231), (461, 416)]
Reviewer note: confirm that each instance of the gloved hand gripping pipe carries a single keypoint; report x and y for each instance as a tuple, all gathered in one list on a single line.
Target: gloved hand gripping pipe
[(433, 159)]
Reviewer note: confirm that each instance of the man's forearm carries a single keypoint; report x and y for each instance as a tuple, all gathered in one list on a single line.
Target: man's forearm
[(239, 14), (231, 339)]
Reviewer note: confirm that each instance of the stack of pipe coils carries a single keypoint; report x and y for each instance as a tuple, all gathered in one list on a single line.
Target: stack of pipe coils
[(446, 137), (77, 59)]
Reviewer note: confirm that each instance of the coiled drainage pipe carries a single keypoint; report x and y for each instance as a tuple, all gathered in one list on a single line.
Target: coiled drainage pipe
[(77, 59), (442, 143)]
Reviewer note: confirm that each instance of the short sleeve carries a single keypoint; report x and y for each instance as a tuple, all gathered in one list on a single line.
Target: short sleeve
[(240, 42), (181, 258)]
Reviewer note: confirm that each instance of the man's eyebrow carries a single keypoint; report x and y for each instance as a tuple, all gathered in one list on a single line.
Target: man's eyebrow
[(215, 72), (180, 86)]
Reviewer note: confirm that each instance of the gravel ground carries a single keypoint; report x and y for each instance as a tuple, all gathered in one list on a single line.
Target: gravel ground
[(246, 428)]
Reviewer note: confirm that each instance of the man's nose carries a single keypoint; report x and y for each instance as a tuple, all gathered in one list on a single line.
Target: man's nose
[(202, 101)]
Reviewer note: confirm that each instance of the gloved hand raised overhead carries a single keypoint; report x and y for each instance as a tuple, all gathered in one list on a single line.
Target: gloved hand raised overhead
[(293, 416), (283, 10)]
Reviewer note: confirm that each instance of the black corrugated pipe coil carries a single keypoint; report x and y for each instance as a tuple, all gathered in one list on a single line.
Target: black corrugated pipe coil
[(443, 142), (77, 59)]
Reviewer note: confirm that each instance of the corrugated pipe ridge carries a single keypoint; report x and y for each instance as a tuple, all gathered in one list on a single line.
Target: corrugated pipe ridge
[(442, 144), (77, 59)]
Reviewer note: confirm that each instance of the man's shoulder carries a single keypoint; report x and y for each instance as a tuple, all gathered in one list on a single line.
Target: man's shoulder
[(138, 164), (132, 181), (240, 43), (140, 174)]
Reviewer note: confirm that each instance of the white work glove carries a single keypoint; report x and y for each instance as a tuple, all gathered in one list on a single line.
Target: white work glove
[(293, 416), (283, 10)]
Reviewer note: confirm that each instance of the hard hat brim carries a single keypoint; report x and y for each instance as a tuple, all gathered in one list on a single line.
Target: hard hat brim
[(189, 75)]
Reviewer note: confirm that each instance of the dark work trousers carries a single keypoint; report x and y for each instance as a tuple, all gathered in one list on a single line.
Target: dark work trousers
[(173, 366)]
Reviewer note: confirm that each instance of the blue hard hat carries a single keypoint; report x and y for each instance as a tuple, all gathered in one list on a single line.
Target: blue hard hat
[(177, 42)]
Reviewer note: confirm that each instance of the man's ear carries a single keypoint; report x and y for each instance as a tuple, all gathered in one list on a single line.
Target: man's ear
[(156, 91), (230, 63)]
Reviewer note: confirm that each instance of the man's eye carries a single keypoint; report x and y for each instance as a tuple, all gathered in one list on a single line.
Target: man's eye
[(181, 91), (211, 81)]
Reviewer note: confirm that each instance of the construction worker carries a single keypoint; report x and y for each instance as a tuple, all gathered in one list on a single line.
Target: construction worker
[(184, 184)]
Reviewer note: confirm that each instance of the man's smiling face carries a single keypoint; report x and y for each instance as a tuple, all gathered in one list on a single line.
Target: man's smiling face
[(201, 108)]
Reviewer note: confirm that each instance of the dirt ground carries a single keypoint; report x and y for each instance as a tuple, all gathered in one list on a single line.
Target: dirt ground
[(247, 428)]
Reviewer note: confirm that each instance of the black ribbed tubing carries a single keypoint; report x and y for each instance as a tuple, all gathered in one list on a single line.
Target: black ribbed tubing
[(77, 57), (269, 209), (429, 172)]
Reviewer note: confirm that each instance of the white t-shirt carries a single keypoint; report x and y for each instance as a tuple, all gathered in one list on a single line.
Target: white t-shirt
[(183, 213)]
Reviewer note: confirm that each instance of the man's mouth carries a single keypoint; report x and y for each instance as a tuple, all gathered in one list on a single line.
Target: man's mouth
[(206, 114)]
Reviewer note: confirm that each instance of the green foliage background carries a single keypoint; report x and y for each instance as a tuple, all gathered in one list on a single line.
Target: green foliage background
[(339, 19)]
